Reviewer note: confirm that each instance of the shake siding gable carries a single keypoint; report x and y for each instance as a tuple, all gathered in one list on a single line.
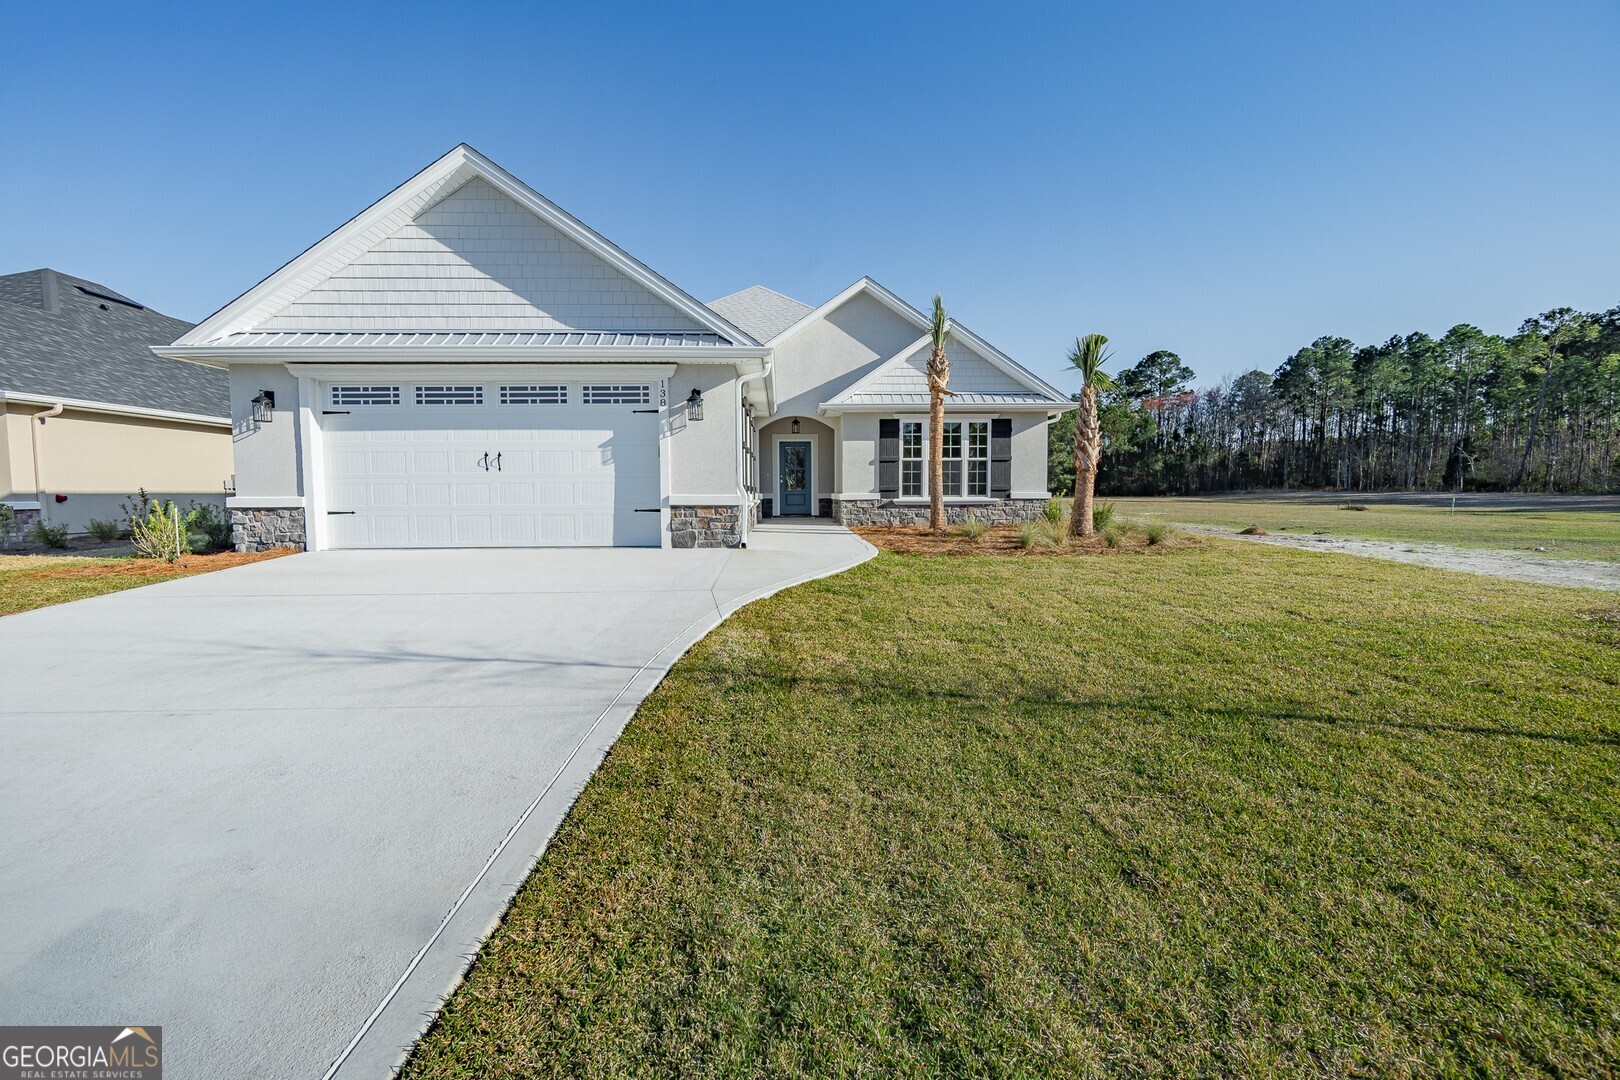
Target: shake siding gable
[(476, 260), (970, 374)]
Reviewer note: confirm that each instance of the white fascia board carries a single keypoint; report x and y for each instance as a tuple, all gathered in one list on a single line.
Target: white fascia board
[(428, 186), (864, 285), (224, 356), (115, 409), (482, 371), (986, 408)]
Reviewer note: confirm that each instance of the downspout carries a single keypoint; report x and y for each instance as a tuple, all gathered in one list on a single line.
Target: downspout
[(743, 509), (33, 432)]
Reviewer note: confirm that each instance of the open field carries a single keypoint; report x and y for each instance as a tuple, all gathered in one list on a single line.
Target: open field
[(1223, 810), (35, 581), (1576, 527)]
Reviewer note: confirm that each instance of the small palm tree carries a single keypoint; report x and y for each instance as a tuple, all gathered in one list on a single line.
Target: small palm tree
[(939, 377), (1088, 356)]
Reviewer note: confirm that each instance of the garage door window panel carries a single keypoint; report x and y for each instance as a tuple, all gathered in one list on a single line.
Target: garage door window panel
[(534, 394), (617, 394), (361, 396), (450, 395)]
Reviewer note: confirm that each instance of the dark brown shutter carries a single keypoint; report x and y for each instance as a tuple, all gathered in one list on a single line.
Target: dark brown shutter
[(1001, 458), (888, 459)]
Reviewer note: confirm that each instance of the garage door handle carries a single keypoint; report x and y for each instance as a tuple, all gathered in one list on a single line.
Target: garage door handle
[(336, 512), (334, 412), (649, 510), (643, 410)]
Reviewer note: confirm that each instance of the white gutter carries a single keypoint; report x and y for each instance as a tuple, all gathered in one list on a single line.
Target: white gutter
[(426, 354), (743, 507), (33, 432), (116, 410), (953, 406)]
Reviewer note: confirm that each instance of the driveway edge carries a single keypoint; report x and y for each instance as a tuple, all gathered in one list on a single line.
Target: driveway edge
[(386, 1039)]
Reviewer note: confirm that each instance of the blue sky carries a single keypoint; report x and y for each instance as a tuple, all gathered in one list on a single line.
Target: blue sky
[(1225, 180)]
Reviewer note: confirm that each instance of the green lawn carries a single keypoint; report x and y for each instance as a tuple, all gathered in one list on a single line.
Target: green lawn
[(1228, 810), (1578, 534), (36, 581)]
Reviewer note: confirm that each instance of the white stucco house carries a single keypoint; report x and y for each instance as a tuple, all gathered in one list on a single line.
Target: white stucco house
[(464, 364)]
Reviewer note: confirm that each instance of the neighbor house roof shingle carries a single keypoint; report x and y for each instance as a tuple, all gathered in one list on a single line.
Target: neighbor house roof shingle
[(63, 336), (760, 311)]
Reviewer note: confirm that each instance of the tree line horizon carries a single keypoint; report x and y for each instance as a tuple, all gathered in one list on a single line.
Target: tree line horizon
[(1537, 410)]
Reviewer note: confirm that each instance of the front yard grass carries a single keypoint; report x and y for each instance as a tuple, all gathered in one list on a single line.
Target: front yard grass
[(35, 581), (1240, 810)]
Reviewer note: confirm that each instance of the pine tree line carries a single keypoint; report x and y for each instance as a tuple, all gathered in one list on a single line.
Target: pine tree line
[(1538, 410)]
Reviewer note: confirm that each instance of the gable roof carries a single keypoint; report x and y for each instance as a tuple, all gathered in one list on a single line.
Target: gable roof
[(1023, 387), (978, 378), (762, 312), (69, 337), (329, 284)]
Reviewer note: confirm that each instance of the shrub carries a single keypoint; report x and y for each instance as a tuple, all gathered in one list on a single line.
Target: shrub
[(165, 533), (1157, 532), (1113, 534), (1040, 534), (973, 528), (210, 527), (1054, 511), (104, 531), (136, 506), (8, 522), (1101, 514), (45, 534), (1352, 506)]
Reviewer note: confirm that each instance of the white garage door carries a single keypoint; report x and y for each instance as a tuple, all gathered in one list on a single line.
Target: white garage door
[(490, 464)]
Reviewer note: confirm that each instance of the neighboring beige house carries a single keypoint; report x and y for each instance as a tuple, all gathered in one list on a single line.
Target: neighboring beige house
[(88, 414), (465, 364)]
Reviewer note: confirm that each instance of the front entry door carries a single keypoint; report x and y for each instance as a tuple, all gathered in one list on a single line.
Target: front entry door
[(793, 470)]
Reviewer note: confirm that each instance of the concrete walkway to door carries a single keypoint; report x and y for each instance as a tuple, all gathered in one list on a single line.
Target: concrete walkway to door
[(275, 809)]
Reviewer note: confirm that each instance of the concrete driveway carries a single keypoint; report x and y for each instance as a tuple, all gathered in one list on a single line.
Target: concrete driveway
[(275, 809)]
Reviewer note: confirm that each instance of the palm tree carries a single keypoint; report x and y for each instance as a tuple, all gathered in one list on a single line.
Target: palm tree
[(939, 376), (1088, 357)]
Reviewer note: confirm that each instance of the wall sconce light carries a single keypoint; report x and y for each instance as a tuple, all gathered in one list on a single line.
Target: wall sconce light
[(694, 405), (795, 425), (264, 406)]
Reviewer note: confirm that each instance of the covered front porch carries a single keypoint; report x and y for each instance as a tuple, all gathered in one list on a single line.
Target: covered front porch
[(800, 460)]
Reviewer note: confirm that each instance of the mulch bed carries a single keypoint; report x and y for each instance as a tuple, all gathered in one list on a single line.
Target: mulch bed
[(1002, 540)]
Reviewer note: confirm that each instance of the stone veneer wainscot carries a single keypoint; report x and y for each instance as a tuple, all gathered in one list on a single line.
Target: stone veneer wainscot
[(255, 529), (889, 512), (704, 526)]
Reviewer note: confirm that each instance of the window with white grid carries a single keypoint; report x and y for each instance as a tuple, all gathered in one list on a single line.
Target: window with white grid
[(450, 395), (365, 395), (617, 394), (534, 395)]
